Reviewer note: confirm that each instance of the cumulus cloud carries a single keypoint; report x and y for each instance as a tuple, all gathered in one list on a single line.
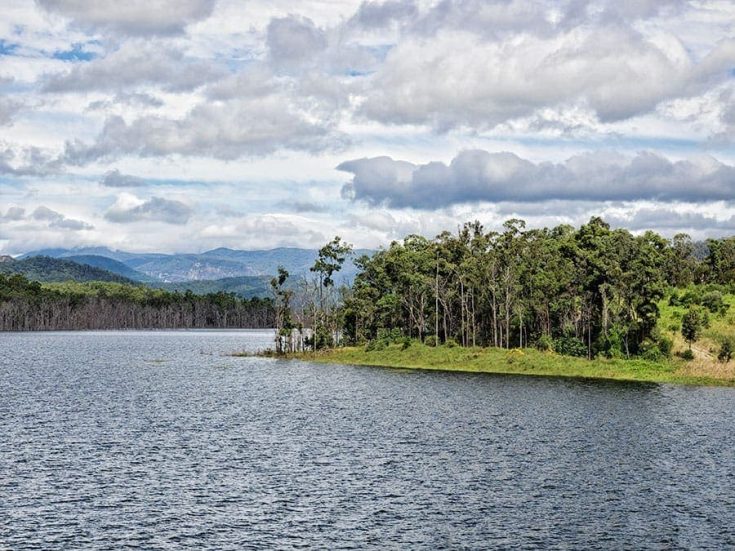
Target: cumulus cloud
[(59, 221), (135, 99), (115, 178), (233, 129), (14, 214), (155, 209), (478, 175), (456, 79), (294, 40), (132, 17), (28, 161), (377, 15), (8, 109), (137, 63)]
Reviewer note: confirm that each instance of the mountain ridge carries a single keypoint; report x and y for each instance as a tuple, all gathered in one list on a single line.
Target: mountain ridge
[(214, 264)]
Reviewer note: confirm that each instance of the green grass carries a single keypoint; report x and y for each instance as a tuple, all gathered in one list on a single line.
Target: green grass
[(525, 362), (721, 326)]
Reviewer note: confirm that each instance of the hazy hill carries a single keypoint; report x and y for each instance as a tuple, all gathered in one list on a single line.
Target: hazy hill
[(245, 287), (111, 265), (211, 265), (47, 269)]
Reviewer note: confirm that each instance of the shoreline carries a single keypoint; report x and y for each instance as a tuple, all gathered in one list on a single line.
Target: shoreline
[(528, 362)]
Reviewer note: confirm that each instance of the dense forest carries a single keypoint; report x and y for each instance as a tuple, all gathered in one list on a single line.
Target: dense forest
[(31, 306), (586, 292)]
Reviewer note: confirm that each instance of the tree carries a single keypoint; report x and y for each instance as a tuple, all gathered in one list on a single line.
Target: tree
[(692, 324), (726, 350), (329, 261), (284, 323)]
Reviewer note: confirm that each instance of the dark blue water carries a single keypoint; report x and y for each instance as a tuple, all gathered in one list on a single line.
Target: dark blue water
[(161, 441)]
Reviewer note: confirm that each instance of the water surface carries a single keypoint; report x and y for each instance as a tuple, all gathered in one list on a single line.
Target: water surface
[(159, 440)]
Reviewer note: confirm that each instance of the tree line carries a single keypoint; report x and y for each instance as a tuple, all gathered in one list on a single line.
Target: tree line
[(584, 291), (30, 306)]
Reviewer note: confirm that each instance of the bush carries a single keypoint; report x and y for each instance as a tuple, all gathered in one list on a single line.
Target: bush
[(726, 350), (675, 327), (450, 343), (570, 346), (687, 355), (390, 336), (376, 345), (545, 343), (665, 345), (430, 340), (406, 343), (714, 302), (693, 322)]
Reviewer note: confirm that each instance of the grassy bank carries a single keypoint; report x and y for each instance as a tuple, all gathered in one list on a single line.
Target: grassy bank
[(525, 362)]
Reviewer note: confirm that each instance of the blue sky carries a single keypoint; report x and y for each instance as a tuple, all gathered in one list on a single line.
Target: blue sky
[(184, 125)]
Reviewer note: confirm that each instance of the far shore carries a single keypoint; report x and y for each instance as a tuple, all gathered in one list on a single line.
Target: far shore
[(526, 362)]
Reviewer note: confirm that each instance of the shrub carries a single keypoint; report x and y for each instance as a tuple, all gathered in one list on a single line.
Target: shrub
[(376, 345), (430, 340), (545, 343), (675, 327), (570, 346), (390, 336), (406, 343), (687, 355), (665, 345), (652, 354), (726, 350), (450, 343), (714, 302), (692, 324)]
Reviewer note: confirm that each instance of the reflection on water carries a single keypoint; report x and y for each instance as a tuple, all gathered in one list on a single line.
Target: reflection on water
[(161, 440)]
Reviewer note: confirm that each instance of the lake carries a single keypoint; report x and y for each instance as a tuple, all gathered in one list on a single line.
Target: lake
[(160, 440)]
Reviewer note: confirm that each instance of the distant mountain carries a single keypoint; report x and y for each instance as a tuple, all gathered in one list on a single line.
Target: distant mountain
[(211, 265), (47, 269), (111, 265), (246, 286)]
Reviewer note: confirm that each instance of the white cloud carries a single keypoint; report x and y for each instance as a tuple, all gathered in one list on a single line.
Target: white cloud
[(137, 63), (155, 209), (134, 17)]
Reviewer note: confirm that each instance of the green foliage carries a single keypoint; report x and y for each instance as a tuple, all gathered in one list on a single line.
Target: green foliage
[(406, 343), (692, 324), (713, 301), (450, 343), (430, 340), (665, 345), (650, 350), (592, 291), (545, 343), (570, 346), (330, 259), (687, 355), (727, 349)]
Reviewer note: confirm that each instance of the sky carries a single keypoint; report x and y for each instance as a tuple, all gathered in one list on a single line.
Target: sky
[(186, 125)]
